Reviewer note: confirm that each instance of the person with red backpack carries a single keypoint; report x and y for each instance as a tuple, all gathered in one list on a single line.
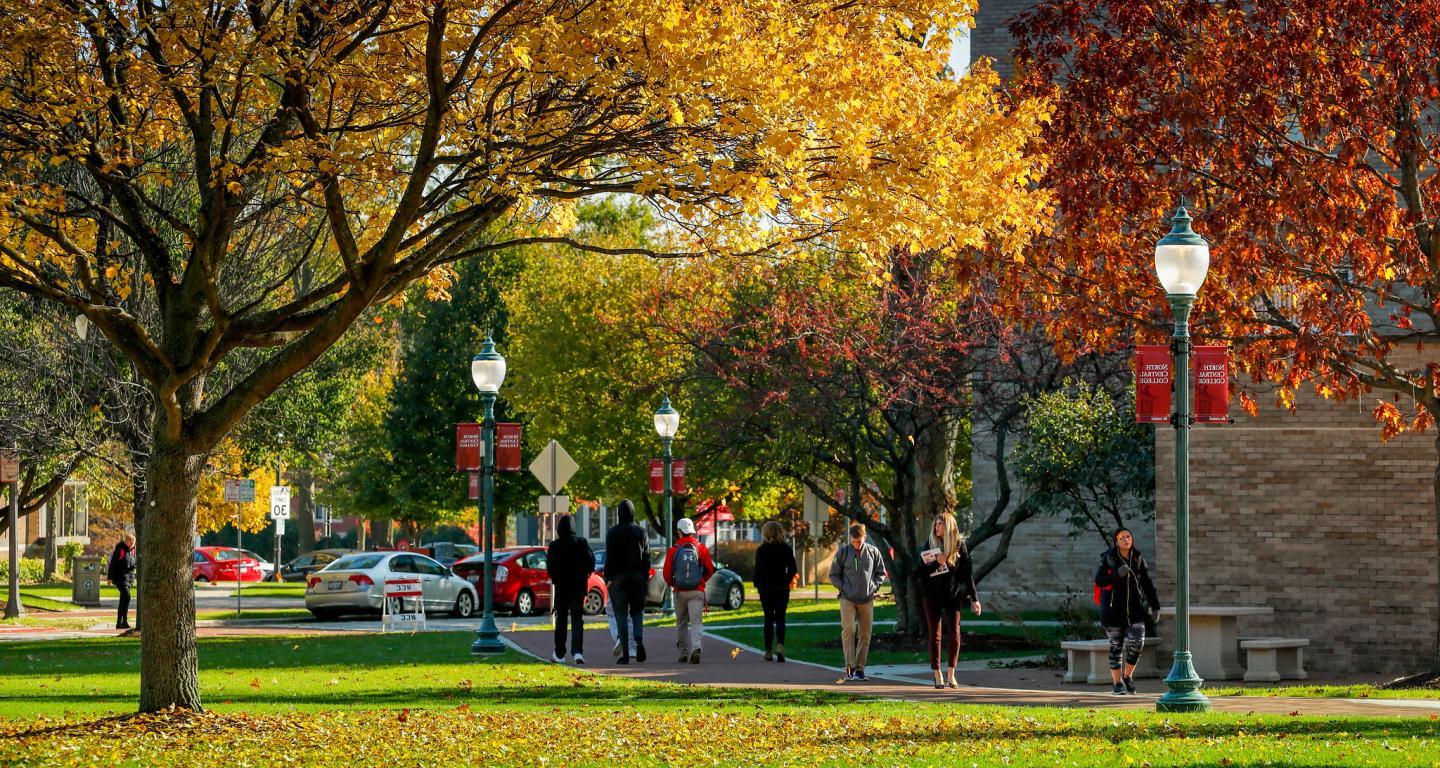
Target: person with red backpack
[(1127, 597), (687, 567)]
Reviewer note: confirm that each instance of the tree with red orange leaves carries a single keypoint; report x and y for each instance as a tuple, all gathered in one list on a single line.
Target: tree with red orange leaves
[(1307, 134)]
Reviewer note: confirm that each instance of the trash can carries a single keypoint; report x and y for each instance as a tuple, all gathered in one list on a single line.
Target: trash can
[(85, 581)]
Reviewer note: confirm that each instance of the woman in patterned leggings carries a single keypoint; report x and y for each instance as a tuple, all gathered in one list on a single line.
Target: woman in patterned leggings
[(1126, 596)]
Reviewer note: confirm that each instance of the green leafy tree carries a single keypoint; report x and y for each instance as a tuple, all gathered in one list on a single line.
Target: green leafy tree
[(1082, 456)]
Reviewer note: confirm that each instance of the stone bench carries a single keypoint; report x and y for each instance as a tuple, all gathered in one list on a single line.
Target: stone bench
[(1270, 659), (1088, 661)]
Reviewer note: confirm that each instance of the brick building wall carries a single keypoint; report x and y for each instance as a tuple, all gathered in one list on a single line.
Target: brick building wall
[(1311, 514), (990, 38)]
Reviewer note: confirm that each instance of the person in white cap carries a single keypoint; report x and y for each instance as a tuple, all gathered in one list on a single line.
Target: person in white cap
[(687, 567)]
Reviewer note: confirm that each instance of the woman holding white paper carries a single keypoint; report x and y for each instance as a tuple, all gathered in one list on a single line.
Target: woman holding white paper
[(949, 584)]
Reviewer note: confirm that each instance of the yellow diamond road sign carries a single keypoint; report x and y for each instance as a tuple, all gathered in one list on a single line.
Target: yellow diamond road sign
[(553, 468)]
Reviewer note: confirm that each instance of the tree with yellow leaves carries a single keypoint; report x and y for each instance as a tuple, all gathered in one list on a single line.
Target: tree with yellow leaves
[(266, 171)]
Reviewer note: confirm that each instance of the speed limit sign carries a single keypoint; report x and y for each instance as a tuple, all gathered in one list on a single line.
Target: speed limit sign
[(280, 502)]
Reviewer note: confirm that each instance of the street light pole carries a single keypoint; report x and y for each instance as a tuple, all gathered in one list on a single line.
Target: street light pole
[(667, 423), (488, 371), (1181, 261)]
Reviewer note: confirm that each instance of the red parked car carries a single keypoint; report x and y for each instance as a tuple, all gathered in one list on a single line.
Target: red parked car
[(226, 564), (521, 583)]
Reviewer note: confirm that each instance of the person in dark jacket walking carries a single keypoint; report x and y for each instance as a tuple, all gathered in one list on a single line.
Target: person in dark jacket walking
[(120, 571), (627, 571), (569, 562), (949, 583), (1127, 597), (775, 571)]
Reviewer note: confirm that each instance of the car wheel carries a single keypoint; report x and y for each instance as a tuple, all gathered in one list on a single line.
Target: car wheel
[(202, 579), (735, 597), (324, 615), (525, 603), (464, 606), (594, 603)]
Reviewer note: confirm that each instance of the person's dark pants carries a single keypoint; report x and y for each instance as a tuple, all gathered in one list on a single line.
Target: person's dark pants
[(942, 621), (627, 597), (774, 602), (573, 607), (122, 616)]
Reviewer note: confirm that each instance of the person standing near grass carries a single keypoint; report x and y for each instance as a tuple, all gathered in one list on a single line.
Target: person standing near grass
[(1127, 597), (775, 571), (627, 570), (857, 573), (121, 572), (569, 562), (949, 580), (687, 567)]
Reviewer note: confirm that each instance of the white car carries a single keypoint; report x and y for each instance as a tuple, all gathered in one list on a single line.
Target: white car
[(267, 568), (356, 584)]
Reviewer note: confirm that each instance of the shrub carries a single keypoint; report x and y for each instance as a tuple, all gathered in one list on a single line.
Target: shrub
[(738, 556), (32, 570), (66, 555)]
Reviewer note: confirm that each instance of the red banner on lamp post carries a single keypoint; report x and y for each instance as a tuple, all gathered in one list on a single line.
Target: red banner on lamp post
[(1212, 384), (1153, 376), (507, 447), (657, 476), (468, 447)]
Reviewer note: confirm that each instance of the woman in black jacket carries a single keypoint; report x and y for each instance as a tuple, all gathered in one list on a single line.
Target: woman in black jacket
[(949, 584), (1127, 597), (775, 571)]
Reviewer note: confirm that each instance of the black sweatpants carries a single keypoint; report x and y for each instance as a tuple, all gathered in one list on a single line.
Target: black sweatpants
[(122, 616), (573, 608), (774, 602)]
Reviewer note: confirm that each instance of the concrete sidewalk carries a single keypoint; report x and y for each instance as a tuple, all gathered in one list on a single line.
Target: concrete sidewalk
[(724, 663)]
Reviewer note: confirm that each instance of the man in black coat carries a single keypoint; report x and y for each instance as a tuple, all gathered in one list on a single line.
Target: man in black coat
[(569, 562), (627, 576), (120, 571)]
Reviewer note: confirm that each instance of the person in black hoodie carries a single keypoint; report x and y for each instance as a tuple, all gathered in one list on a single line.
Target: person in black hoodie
[(949, 584), (627, 574), (1127, 597), (775, 571), (120, 571), (569, 562)]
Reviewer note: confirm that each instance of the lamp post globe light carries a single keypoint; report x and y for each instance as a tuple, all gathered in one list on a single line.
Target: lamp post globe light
[(487, 369), (1181, 260), (667, 423)]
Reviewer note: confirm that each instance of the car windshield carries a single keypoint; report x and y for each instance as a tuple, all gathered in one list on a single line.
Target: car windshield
[(252, 555), (356, 562), (226, 554)]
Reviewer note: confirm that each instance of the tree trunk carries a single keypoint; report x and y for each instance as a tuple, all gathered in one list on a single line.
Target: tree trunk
[(52, 527), (361, 524), (305, 515), (502, 529), (137, 507), (169, 672)]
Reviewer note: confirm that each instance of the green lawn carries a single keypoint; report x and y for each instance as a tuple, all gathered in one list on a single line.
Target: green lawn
[(62, 589), (1328, 692), (55, 621), (295, 589), (422, 700)]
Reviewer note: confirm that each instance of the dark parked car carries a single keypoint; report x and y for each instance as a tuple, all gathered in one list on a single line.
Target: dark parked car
[(301, 567)]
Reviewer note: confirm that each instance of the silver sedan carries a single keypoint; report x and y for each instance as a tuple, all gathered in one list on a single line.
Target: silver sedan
[(356, 584)]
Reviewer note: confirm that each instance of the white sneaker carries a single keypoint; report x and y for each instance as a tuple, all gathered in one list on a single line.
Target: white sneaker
[(557, 659), (577, 659)]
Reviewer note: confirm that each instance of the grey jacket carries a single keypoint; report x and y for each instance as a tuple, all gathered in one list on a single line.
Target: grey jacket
[(857, 576)]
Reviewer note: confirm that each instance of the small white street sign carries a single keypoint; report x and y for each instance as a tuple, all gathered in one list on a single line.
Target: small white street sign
[(279, 502), (554, 505)]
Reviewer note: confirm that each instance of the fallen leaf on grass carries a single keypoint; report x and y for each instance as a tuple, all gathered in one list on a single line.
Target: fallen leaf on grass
[(255, 683), (734, 653)]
